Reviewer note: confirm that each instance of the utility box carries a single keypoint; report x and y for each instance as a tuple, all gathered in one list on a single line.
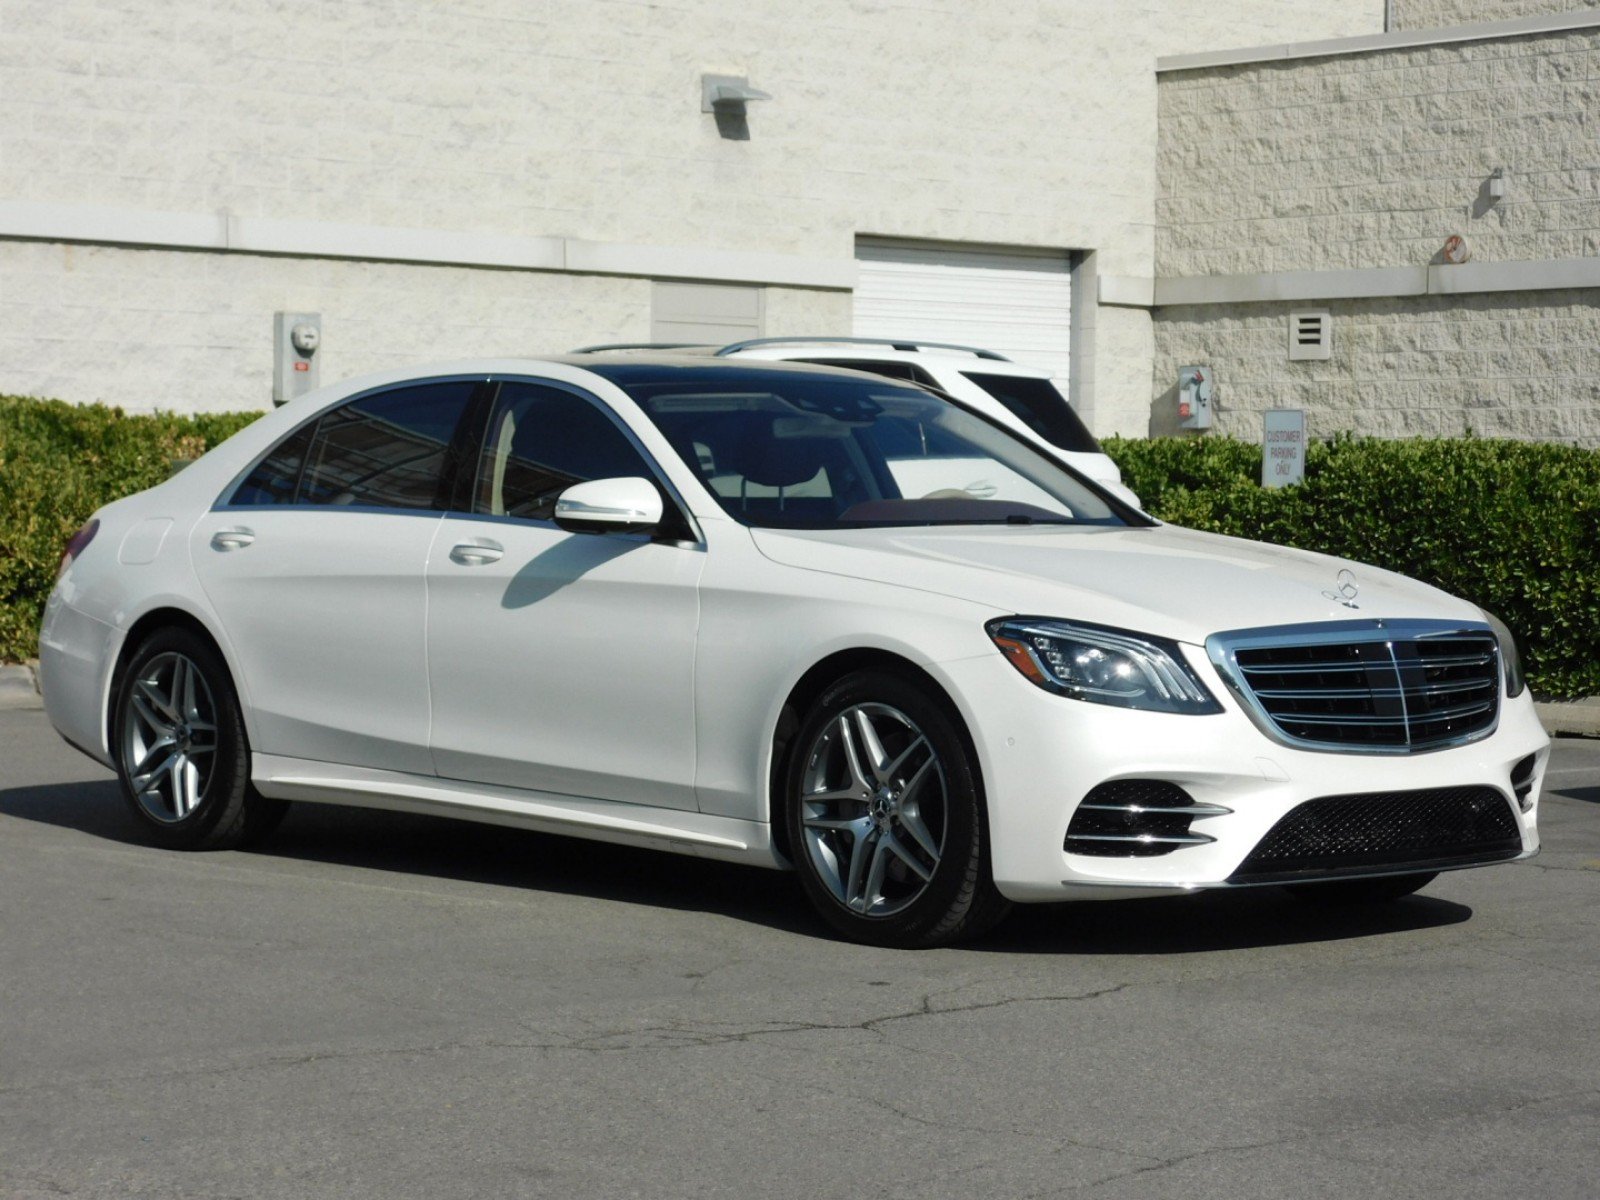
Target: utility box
[(296, 338), (1194, 397)]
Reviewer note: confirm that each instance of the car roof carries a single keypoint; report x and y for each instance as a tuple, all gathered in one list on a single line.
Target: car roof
[(933, 355), (931, 359)]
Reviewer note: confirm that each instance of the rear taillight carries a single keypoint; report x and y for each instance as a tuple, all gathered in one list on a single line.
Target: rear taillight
[(77, 545)]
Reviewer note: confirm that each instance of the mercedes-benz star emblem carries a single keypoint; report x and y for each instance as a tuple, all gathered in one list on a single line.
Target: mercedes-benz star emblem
[(1347, 590)]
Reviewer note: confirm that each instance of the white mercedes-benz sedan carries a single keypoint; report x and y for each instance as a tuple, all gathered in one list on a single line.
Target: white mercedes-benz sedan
[(783, 615)]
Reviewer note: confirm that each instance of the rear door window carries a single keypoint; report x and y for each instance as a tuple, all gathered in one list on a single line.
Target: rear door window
[(1041, 407), (389, 449)]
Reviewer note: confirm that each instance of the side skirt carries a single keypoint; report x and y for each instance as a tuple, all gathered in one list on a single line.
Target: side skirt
[(673, 830)]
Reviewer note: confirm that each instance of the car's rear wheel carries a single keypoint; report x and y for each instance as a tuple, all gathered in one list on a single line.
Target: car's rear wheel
[(182, 754), (885, 816), (1361, 891)]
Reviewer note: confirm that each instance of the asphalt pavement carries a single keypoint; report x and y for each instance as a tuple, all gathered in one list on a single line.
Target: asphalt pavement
[(374, 1005)]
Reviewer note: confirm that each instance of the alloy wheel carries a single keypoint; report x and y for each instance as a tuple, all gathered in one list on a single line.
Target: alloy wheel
[(169, 737), (873, 809)]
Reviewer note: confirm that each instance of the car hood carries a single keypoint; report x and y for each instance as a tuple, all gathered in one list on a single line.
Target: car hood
[(1172, 582)]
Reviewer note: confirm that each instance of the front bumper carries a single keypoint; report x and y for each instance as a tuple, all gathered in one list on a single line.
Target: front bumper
[(1042, 754)]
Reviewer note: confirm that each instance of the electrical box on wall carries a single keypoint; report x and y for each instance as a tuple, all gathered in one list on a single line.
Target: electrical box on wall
[(296, 338), (1194, 397)]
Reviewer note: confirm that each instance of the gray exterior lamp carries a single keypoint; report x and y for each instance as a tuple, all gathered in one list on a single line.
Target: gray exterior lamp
[(725, 97)]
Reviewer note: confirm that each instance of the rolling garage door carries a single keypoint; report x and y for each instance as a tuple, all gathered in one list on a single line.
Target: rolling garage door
[(1016, 302)]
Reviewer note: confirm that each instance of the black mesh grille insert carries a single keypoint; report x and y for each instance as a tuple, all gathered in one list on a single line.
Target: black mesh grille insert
[(1427, 829), (1402, 694)]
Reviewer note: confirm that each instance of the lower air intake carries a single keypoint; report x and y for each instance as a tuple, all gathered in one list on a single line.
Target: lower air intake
[(1386, 831), (1136, 818)]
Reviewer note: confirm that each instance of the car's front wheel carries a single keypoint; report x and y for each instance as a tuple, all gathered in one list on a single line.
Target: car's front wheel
[(885, 816), (182, 754)]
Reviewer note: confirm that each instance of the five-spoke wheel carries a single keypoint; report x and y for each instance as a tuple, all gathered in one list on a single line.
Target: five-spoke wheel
[(884, 815)]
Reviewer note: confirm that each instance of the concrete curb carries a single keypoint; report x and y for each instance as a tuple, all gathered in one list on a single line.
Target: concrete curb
[(19, 686), (1580, 718)]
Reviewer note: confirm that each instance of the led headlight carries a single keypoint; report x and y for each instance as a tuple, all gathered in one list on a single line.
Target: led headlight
[(1508, 653), (1103, 666)]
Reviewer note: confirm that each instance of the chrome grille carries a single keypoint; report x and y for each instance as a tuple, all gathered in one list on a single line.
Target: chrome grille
[(1393, 687)]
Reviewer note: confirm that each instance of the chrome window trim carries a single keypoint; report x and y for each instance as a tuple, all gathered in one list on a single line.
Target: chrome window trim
[(1223, 648)]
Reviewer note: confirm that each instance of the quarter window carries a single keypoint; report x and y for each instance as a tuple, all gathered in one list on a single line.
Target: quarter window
[(541, 441), (1041, 407)]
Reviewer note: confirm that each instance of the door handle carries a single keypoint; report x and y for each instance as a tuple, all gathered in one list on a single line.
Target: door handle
[(232, 539), (476, 554)]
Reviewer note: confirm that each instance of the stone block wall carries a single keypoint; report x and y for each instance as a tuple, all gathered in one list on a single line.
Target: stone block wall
[(1436, 14), (1513, 364), (1371, 160)]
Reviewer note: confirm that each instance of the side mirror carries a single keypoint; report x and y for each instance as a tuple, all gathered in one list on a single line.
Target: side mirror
[(627, 505)]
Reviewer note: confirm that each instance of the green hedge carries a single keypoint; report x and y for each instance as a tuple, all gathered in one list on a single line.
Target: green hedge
[(1513, 526), (58, 463)]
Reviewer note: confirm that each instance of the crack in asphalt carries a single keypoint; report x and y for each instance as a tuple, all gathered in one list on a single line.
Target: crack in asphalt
[(658, 1037), (1309, 1138), (683, 1034)]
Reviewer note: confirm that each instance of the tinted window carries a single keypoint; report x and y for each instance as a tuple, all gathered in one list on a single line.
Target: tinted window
[(387, 450), (540, 442), (275, 478), (1039, 406)]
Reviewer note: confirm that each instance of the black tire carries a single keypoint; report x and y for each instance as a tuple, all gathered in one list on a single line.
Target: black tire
[(959, 900), (227, 811), (1350, 892)]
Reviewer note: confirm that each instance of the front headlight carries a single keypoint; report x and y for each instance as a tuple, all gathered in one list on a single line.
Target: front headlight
[(1508, 654), (1102, 666)]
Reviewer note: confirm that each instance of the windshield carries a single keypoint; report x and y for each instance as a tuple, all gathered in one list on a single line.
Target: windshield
[(804, 451)]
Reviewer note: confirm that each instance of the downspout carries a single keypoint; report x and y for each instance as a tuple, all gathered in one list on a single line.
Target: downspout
[(1388, 16)]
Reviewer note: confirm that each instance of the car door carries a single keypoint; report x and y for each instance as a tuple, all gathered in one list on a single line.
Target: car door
[(562, 662), (315, 565)]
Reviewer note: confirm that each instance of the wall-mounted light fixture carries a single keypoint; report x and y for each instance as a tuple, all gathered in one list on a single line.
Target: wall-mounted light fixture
[(728, 94), (1497, 185)]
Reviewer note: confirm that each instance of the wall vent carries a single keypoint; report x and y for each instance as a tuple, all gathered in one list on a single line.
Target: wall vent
[(1310, 336)]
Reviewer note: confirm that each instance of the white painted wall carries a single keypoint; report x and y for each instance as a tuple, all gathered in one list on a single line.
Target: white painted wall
[(970, 120)]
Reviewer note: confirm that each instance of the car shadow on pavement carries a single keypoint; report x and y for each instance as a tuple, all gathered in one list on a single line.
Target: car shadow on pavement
[(462, 851), (469, 852), (1223, 920)]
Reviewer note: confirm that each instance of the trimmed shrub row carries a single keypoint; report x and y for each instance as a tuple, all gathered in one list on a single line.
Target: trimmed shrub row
[(58, 463), (1511, 526)]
